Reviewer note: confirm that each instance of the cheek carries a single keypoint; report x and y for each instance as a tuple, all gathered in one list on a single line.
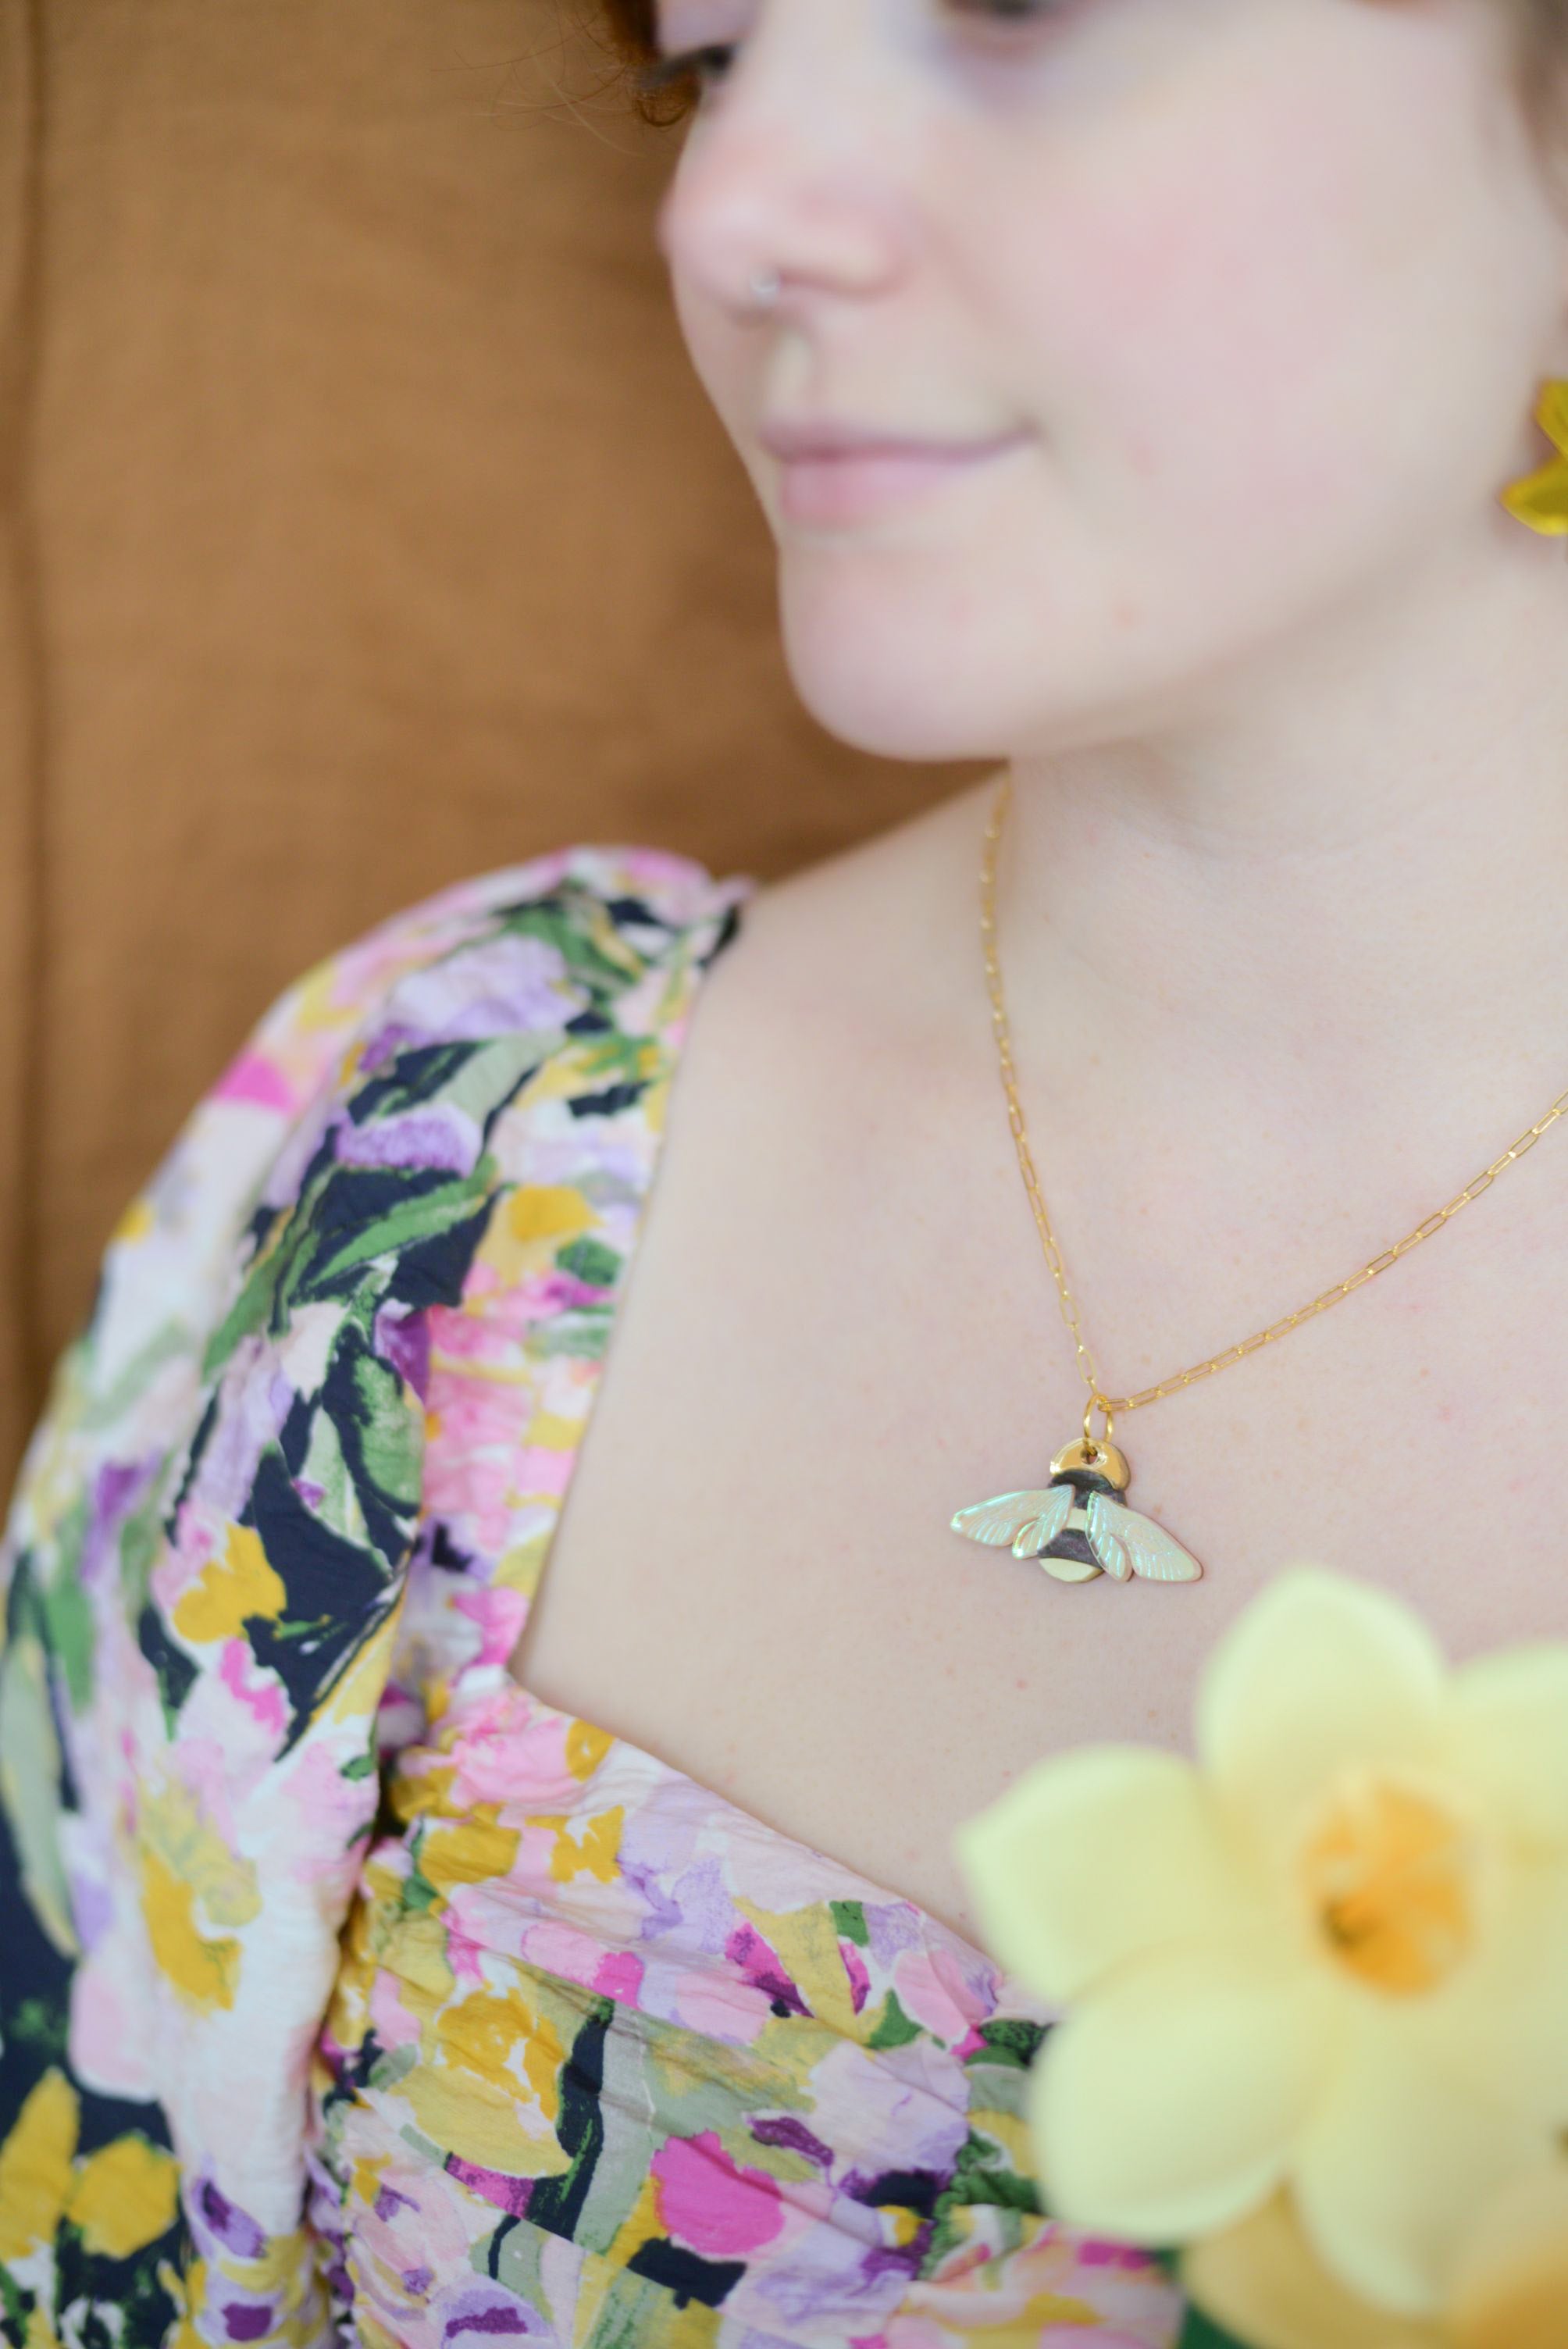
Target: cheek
[(1231, 334)]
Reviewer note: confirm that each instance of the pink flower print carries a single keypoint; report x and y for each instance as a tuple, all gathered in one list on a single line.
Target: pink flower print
[(860, 1981), (1133, 2303), (260, 1692), (394, 2026), (708, 2202), (252, 1077), (544, 1472), (318, 1793), (618, 1975), (500, 1616), (553, 1947), (475, 1412), (475, 1496), (933, 1994), (761, 1964), (508, 1750), (718, 2007)]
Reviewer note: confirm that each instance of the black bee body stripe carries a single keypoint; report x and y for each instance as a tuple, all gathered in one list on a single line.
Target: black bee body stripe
[(1072, 1541)]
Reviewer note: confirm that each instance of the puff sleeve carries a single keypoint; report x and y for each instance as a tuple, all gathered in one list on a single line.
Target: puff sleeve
[(233, 1586)]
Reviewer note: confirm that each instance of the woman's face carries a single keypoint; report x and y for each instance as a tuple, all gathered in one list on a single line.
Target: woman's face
[(1267, 287)]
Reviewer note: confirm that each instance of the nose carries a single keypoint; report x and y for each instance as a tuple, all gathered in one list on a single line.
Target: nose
[(767, 183)]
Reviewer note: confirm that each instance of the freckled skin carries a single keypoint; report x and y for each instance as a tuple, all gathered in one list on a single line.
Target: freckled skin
[(1270, 285)]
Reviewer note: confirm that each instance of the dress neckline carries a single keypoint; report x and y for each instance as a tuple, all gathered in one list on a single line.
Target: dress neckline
[(709, 931), (475, 1712)]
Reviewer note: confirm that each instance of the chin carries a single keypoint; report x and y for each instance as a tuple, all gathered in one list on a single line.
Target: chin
[(906, 687), (909, 711)]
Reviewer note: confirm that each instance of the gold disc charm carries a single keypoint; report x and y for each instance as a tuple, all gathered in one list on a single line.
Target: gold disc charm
[(1079, 1526)]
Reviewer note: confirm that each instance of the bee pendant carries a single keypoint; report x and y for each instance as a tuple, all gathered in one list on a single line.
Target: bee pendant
[(1079, 1526)]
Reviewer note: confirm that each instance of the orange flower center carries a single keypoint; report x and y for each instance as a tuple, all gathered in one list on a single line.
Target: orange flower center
[(1389, 1869)]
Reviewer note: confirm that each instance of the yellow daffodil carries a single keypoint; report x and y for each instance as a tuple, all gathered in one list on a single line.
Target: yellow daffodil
[(1541, 499), (1507, 2288), (1329, 1956)]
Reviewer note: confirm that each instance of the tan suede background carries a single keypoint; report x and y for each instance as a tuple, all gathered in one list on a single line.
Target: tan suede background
[(361, 525)]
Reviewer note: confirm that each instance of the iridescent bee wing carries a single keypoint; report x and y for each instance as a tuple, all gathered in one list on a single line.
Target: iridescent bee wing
[(1042, 1530), (1105, 1523), (1127, 1544), (997, 1522)]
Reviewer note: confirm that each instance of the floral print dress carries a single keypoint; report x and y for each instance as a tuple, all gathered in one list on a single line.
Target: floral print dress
[(347, 1991)]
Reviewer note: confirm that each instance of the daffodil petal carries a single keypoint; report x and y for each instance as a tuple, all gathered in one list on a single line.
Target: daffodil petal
[(1501, 2022), (1510, 2288), (1167, 2102), (1509, 1737), (1092, 1857), (1262, 2281), (1320, 1672), (1394, 2161)]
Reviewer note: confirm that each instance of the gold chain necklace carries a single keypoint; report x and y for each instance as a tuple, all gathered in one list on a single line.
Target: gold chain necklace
[(1078, 1526)]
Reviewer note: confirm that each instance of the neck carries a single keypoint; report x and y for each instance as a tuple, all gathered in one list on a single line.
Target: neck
[(1352, 886)]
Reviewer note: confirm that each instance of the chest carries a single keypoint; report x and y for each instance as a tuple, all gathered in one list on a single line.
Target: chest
[(839, 1327)]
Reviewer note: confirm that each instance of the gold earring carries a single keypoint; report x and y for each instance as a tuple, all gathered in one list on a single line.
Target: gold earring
[(1541, 500)]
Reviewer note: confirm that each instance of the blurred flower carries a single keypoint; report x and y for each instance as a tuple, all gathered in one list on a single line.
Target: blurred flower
[(1508, 2285), (1541, 499), (1331, 1956)]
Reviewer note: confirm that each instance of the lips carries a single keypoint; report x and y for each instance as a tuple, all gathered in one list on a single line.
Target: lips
[(853, 484)]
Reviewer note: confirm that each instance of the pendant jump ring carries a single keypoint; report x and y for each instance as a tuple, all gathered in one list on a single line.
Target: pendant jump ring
[(1097, 1402)]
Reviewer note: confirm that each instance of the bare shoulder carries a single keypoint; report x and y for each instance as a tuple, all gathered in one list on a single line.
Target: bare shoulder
[(875, 939)]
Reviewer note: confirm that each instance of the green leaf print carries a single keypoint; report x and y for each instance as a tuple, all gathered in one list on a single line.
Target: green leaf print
[(577, 926), (69, 1616), (985, 2174), (584, 1332), (389, 1439), (17, 2308), (140, 1541), (30, 1786), (429, 1210), (605, 1059), (497, 1070), (411, 1078), (44, 2027), (1011, 2040), (250, 1308), (849, 1921), (591, 1261), (895, 2029)]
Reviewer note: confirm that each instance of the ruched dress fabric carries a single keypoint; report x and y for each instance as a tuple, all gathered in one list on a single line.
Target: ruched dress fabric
[(349, 1991)]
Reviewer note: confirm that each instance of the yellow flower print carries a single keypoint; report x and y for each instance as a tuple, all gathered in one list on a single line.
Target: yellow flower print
[(586, 1747), (486, 2031), (186, 2293), (125, 2197), (137, 1220), (121, 2198), (466, 1851), (35, 2165), (1330, 1956), (174, 1826), (486, 2122), (526, 1229), (184, 1861), (806, 1942), (231, 1590), (595, 1856), (206, 1971)]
